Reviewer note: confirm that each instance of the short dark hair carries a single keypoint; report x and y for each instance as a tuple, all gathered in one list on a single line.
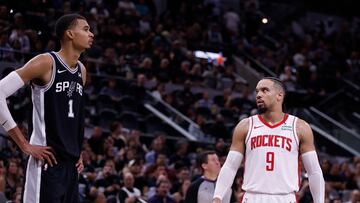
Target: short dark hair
[(277, 82), (65, 22), (203, 157)]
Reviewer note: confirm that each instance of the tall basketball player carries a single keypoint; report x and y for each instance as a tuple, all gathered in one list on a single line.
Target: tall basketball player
[(272, 143), (57, 80)]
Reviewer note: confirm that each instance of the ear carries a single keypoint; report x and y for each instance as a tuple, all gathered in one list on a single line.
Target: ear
[(204, 166), (70, 34), (280, 95)]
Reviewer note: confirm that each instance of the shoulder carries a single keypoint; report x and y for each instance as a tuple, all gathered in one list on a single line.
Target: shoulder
[(242, 127), (196, 183), (305, 135), (41, 59), (302, 127), (36, 67), (243, 124)]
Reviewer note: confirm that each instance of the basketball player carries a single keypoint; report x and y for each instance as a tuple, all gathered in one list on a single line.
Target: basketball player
[(57, 80), (271, 143)]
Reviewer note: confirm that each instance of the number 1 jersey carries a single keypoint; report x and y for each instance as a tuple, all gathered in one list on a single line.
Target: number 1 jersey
[(57, 116), (272, 156)]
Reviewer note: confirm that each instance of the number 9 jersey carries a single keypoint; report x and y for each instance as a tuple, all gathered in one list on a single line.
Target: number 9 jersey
[(58, 117), (272, 156)]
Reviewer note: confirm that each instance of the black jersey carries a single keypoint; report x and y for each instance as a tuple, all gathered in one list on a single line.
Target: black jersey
[(58, 117)]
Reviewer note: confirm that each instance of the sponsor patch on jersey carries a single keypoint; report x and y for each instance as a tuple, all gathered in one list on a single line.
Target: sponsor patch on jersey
[(287, 127)]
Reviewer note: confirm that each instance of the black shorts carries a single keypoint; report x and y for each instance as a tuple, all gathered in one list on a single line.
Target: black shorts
[(57, 184)]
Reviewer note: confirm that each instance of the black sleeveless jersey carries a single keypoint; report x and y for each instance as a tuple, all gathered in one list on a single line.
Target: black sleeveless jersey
[(57, 116)]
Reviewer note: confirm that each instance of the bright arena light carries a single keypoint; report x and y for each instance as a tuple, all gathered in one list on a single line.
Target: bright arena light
[(264, 20)]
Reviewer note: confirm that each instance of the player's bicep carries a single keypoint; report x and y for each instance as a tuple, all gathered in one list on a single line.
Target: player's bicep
[(36, 68), (306, 136), (239, 135)]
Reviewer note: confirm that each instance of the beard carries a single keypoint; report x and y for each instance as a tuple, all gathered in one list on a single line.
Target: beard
[(261, 110)]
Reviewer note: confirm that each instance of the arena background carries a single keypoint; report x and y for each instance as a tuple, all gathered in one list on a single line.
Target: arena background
[(173, 78)]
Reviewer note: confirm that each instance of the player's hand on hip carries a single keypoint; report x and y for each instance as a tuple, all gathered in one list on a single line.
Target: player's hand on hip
[(44, 154), (80, 165)]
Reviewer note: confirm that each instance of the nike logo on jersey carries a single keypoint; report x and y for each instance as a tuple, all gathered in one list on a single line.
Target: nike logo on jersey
[(4, 123), (60, 71), (255, 127)]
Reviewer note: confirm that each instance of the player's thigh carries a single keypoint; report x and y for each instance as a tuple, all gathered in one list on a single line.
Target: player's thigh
[(53, 184)]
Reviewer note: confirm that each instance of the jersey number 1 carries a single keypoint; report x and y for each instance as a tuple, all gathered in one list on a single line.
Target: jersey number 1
[(270, 161), (71, 112)]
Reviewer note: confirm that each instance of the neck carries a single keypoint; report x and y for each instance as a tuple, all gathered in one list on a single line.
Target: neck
[(273, 116), (69, 55), (210, 176)]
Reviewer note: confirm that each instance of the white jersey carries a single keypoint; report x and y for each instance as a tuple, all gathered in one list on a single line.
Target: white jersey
[(272, 156)]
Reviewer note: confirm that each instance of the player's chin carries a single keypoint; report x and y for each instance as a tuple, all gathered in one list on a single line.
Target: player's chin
[(261, 109)]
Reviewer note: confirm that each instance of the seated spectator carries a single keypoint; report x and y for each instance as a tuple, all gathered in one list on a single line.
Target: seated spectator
[(162, 190), (180, 194), (128, 192), (181, 154), (107, 181), (13, 179)]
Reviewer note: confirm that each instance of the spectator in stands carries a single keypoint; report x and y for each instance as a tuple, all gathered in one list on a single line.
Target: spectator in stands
[(6, 51), (157, 147), (96, 141), (180, 195), (159, 92), (19, 36), (108, 181), (288, 79), (181, 154), (162, 190), (2, 181), (205, 101), (13, 179), (355, 196), (118, 135), (129, 193), (111, 90)]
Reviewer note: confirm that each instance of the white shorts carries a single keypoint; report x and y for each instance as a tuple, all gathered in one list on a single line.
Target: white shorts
[(249, 197)]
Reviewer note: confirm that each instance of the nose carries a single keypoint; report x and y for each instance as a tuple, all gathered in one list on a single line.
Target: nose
[(258, 95), (91, 35)]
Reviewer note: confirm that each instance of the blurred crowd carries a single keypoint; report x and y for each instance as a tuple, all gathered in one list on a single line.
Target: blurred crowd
[(146, 46)]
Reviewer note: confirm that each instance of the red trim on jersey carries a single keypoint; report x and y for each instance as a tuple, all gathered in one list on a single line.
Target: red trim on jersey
[(249, 134), (294, 132), (276, 125), (296, 197), (242, 197)]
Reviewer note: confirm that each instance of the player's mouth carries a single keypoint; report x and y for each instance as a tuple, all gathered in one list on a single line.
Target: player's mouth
[(259, 102)]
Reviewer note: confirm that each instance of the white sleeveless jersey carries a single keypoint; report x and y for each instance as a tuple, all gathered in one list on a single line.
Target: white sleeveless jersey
[(272, 156)]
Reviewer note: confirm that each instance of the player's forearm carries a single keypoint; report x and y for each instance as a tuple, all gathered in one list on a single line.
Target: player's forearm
[(317, 187), (18, 138), (227, 174), (316, 180)]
